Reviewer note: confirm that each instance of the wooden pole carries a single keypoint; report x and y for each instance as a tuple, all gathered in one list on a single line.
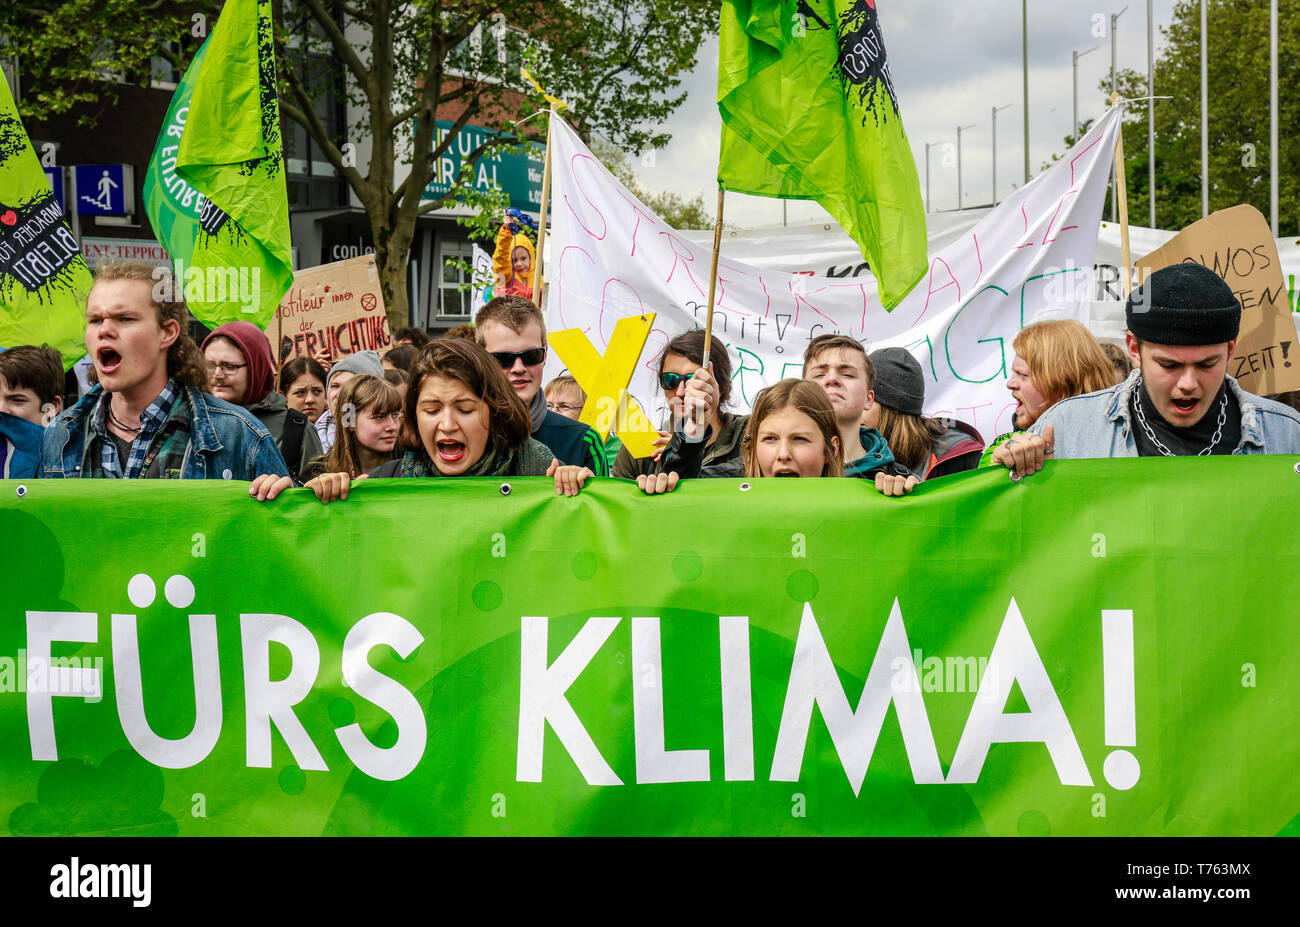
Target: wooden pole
[(546, 196), (1121, 196), (713, 280), (279, 340)]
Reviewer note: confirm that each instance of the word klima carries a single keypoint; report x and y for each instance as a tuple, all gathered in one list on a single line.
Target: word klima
[(813, 684)]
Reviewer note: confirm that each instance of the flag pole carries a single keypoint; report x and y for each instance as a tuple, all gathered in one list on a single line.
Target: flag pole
[(1121, 195), (713, 280), (546, 195)]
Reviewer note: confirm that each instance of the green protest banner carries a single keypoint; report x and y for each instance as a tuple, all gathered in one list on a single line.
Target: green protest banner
[(765, 657)]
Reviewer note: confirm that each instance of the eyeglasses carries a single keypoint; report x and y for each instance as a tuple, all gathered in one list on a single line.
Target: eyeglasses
[(227, 370), (563, 407), (671, 380), (531, 358)]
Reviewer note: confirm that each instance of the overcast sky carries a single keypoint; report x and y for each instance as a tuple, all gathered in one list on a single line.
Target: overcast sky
[(952, 62)]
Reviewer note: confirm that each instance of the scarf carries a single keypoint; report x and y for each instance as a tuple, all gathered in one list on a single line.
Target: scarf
[(537, 411)]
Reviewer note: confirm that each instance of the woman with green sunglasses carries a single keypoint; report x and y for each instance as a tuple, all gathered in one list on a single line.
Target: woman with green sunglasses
[(684, 383)]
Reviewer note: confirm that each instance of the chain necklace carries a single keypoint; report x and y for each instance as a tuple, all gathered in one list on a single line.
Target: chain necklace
[(1142, 420), (118, 422)]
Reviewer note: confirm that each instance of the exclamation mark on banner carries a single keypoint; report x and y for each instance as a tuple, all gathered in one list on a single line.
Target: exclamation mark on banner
[(1121, 767)]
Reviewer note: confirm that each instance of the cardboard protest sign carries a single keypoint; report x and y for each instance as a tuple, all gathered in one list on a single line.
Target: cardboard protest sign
[(1237, 245), (336, 308)]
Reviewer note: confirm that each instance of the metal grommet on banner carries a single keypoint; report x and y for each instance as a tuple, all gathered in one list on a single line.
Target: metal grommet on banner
[(505, 489), (1015, 477), (1296, 468), (746, 487), (22, 490)]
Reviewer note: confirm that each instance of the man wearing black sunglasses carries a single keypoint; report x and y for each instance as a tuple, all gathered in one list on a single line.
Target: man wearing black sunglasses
[(510, 328)]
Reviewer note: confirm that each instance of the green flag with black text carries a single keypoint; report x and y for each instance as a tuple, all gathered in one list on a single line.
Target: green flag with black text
[(215, 189), (809, 112), (43, 277)]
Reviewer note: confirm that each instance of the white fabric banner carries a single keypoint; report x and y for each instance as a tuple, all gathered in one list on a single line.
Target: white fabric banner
[(825, 250), (1030, 258)]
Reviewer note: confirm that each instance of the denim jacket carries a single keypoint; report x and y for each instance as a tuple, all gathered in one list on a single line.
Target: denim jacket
[(225, 442), (1098, 424)]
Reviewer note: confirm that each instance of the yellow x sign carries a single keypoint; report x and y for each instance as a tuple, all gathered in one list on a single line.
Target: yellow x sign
[(608, 407)]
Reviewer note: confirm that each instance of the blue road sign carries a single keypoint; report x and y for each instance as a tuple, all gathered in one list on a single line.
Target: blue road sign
[(101, 189), (55, 176)]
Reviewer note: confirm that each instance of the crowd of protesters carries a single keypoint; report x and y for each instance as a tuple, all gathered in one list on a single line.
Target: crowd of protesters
[(471, 403)]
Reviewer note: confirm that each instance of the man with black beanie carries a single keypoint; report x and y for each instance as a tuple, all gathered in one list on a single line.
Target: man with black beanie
[(1182, 329)]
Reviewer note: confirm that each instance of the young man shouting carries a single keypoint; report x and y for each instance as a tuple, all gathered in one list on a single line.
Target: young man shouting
[(150, 416), (510, 328), (840, 364), (1182, 329)]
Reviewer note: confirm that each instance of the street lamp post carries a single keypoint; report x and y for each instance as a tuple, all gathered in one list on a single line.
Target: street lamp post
[(1114, 182), (928, 146), (1151, 112), (1075, 62), (1272, 115), (995, 151), (1205, 118), (1024, 51), (960, 129)]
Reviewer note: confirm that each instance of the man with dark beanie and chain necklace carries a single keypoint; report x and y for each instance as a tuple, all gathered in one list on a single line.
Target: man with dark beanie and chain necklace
[(1182, 328)]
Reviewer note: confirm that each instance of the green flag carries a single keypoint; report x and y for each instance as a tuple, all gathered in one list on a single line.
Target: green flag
[(809, 112), (43, 278), (215, 189)]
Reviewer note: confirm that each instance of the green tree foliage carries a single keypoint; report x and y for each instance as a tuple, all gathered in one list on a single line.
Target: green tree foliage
[(400, 64), (1239, 153)]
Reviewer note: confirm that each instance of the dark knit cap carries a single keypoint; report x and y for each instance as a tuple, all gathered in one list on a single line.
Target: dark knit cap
[(899, 381), (1184, 304)]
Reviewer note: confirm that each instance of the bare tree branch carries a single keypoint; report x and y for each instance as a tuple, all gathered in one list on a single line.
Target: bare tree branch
[(356, 14), (340, 42), (305, 115)]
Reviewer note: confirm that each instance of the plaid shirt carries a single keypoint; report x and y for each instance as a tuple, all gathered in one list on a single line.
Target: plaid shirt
[(151, 421)]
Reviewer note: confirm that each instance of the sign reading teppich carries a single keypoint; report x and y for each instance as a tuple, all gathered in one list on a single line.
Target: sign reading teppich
[(1027, 659), (336, 308)]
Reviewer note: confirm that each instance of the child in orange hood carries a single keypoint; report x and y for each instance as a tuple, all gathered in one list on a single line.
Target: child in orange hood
[(513, 261)]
